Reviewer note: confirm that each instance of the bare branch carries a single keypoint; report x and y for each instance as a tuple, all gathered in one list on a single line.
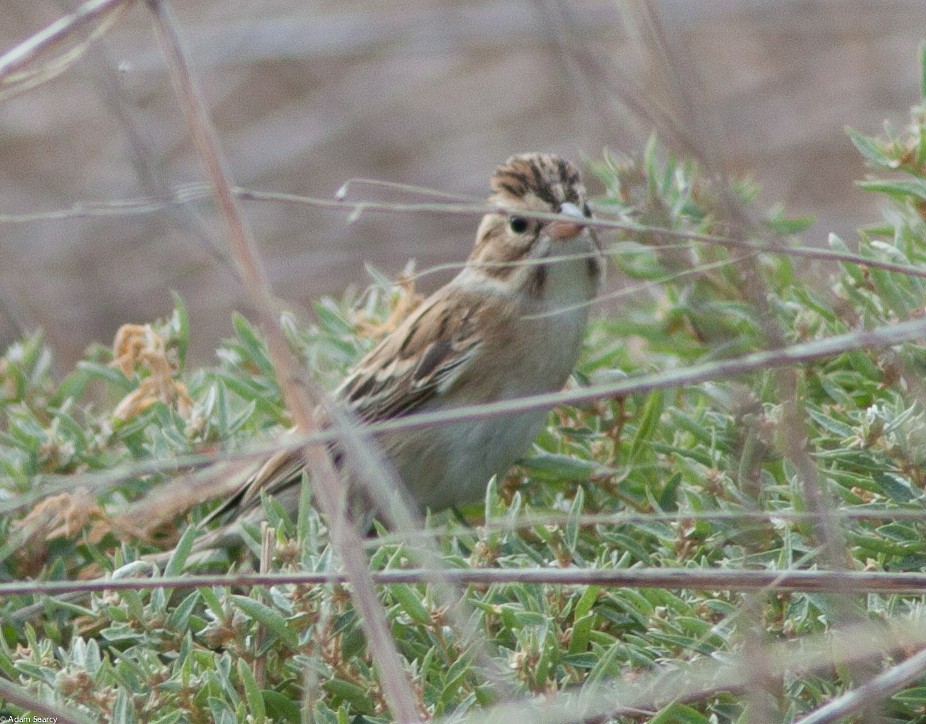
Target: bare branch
[(674, 578), (16, 75), (876, 689), (396, 687)]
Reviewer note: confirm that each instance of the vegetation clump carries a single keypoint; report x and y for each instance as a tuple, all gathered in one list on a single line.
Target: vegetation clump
[(777, 468)]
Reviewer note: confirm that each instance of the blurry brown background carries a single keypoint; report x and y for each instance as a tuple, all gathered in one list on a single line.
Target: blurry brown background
[(307, 95)]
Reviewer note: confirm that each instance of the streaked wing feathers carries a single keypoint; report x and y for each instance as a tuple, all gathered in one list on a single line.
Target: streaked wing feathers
[(278, 471), (421, 359), (418, 361)]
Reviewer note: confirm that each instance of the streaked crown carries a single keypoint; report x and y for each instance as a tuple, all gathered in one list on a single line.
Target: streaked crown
[(547, 178)]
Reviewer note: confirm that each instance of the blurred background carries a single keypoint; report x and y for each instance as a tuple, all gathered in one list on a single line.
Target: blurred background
[(307, 95)]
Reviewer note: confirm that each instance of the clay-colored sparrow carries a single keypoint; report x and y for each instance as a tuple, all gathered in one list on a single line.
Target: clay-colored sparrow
[(510, 324)]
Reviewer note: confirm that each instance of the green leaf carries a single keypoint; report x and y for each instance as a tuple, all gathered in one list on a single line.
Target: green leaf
[(668, 499), (917, 694), (253, 344), (281, 708), (871, 149), (572, 524), (356, 696), (181, 552), (252, 692), (179, 618), (581, 630), (587, 601), (789, 227), (834, 427), (71, 388), (679, 714), (890, 292), (580, 661), (901, 190), (270, 618), (211, 599), (181, 320), (123, 710), (107, 373), (409, 601), (649, 421), (557, 468), (837, 244), (895, 486)]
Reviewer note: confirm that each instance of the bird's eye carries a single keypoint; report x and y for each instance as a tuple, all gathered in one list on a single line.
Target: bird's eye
[(518, 224), (586, 209)]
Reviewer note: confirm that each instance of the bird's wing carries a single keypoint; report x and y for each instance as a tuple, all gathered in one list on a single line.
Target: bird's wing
[(419, 361)]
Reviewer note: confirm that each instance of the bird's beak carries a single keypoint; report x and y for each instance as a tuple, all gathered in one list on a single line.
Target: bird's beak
[(561, 229)]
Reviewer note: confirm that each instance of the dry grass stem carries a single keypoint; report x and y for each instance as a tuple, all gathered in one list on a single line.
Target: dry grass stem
[(196, 192), (673, 578), (19, 67), (705, 676), (396, 687), (876, 689)]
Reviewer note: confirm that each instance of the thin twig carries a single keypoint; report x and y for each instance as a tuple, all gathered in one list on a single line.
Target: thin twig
[(396, 688), (876, 689), (20, 55), (21, 71), (706, 676), (673, 578), (188, 193)]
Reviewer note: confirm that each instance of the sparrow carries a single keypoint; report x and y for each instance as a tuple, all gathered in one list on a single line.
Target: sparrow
[(509, 325)]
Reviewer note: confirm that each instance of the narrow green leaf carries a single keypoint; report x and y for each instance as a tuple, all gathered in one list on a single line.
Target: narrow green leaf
[(280, 707), (356, 696), (679, 714), (587, 601), (180, 617), (181, 552), (896, 487), (409, 601), (789, 227), (581, 629), (917, 694), (252, 344), (252, 693), (652, 411), (832, 426), (71, 388), (123, 710), (901, 190), (668, 499), (182, 322), (270, 618), (211, 599), (545, 664), (572, 524), (107, 373), (871, 149), (558, 468)]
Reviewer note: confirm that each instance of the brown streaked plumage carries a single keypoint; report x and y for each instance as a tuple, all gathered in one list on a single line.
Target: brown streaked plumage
[(509, 325)]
